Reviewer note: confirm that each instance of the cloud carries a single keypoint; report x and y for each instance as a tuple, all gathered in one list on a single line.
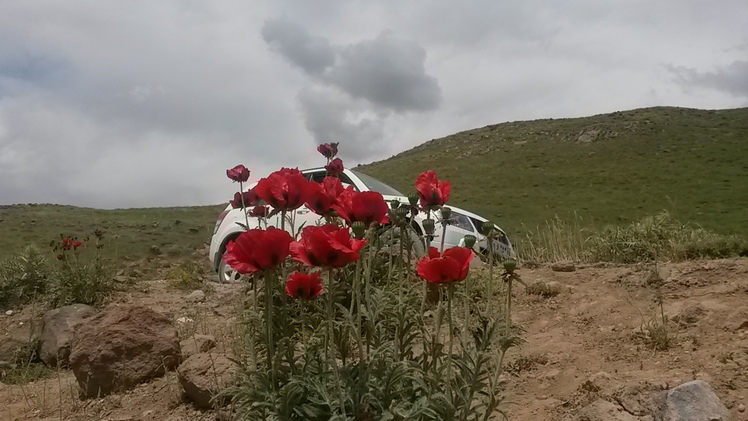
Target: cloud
[(312, 54), (333, 117), (353, 89), (732, 78), (388, 72)]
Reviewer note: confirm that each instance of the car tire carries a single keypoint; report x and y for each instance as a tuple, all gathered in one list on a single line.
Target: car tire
[(226, 274), (416, 243)]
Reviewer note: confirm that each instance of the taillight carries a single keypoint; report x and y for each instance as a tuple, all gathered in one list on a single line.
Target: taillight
[(220, 220)]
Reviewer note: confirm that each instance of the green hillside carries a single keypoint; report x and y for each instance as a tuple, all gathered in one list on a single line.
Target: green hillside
[(609, 169), (130, 233)]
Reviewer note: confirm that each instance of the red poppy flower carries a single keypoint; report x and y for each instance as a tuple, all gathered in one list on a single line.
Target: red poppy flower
[(239, 173), (259, 211), (335, 167), (328, 150), (326, 245), (250, 198), (284, 189), (256, 250), (451, 266), (67, 243), (321, 196), (431, 191), (366, 207), (77, 244), (302, 285)]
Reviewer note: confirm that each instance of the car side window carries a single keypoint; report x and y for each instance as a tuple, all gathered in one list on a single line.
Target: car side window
[(318, 176), (461, 221)]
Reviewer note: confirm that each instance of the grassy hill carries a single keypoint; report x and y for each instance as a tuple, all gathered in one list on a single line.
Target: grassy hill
[(608, 169), (130, 233)]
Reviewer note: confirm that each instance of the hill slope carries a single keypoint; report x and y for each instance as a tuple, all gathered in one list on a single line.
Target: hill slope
[(609, 169)]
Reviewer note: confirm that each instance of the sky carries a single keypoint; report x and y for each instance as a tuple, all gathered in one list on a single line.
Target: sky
[(114, 104)]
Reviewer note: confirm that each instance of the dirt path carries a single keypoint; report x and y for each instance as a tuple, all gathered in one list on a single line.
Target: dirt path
[(584, 352)]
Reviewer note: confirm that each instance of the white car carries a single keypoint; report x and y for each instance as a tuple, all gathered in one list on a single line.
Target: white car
[(230, 223)]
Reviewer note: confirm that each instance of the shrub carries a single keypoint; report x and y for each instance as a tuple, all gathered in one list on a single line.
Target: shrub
[(23, 277), (80, 277), (653, 237)]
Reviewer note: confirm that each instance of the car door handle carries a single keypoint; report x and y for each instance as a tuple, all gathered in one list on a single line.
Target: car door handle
[(302, 211)]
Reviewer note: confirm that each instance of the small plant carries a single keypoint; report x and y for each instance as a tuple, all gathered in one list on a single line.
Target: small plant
[(186, 276), (79, 277), (23, 277)]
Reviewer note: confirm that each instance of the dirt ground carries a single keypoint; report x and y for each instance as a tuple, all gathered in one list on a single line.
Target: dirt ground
[(585, 352)]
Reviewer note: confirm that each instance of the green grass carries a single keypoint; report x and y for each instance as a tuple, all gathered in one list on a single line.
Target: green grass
[(689, 162), (130, 233)]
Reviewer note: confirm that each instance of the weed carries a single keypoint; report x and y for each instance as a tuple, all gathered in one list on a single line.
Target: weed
[(23, 276), (187, 276)]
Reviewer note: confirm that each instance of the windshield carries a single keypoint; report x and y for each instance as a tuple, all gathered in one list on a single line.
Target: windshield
[(375, 185)]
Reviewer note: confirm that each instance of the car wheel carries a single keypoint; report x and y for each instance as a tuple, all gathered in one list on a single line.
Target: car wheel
[(412, 239), (226, 274)]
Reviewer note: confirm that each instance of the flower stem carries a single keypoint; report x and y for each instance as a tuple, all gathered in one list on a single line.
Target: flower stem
[(450, 289), (330, 332), (467, 313), (489, 241), (244, 206), (269, 330), (508, 317), (357, 301)]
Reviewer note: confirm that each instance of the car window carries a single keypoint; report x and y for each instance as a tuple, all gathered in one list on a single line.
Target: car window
[(318, 176), (461, 221), (375, 185)]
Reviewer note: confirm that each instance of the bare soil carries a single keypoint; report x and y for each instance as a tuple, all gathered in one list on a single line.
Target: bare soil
[(583, 347)]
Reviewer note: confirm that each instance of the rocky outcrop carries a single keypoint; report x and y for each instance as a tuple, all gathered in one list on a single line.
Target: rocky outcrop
[(121, 347), (57, 332)]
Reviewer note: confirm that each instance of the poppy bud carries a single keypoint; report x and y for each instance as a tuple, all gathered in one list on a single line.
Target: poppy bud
[(446, 213), (469, 241), (394, 204), (510, 266), (413, 199), (428, 226), (359, 229), (487, 228), (402, 212)]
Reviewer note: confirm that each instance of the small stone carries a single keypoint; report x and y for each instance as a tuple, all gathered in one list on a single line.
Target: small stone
[(196, 296), (741, 408), (563, 266), (9, 313)]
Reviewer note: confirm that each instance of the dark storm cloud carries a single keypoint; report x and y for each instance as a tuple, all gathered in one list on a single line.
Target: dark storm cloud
[(732, 79), (312, 54), (387, 71), (373, 78)]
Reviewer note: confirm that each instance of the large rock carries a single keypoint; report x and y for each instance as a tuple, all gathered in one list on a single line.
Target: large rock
[(203, 376), (121, 347), (57, 331), (690, 401)]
